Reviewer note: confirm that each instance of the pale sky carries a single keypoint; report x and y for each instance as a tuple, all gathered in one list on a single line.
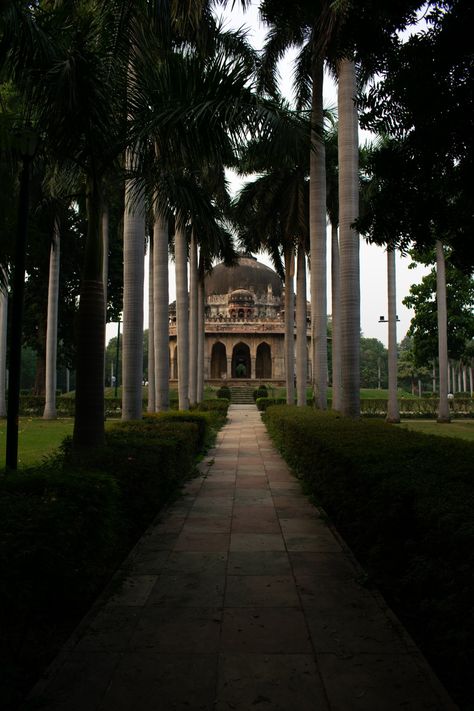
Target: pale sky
[(373, 260)]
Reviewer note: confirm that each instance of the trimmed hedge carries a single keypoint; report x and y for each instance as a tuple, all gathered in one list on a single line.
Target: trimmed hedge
[(261, 391), (224, 392), (416, 407), (64, 528), (404, 502)]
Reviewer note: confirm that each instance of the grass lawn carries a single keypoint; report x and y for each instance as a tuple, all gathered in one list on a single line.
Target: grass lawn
[(36, 438), (457, 428)]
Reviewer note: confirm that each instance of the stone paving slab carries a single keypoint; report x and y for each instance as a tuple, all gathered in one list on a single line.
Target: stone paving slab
[(240, 597)]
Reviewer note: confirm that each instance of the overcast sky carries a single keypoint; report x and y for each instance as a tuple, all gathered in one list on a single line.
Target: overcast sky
[(373, 259)]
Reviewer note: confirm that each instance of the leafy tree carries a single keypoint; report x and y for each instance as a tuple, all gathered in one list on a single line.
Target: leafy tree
[(373, 355), (460, 304)]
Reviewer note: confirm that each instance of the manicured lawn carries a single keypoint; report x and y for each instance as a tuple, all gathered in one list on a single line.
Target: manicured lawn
[(36, 438), (457, 428)]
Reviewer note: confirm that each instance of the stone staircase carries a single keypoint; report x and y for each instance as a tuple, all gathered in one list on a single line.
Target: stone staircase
[(242, 395)]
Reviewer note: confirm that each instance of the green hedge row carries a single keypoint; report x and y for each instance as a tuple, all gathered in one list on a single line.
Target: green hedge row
[(65, 526), (404, 502), (416, 407)]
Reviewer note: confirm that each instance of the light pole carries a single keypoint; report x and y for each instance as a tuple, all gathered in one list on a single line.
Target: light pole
[(27, 142)]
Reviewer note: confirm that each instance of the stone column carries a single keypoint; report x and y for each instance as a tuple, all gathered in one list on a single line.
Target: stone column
[(229, 367), (253, 360)]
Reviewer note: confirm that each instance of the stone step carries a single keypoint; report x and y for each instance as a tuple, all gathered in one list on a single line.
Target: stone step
[(242, 395)]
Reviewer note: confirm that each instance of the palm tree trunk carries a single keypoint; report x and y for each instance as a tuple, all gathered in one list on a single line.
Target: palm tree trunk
[(471, 381), (301, 329), (133, 279), (50, 412), (336, 319), (151, 407), (348, 150), (443, 409), (201, 335), (464, 378), (393, 414), (105, 243), (89, 410), (193, 320), (317, 230), (3, 350), (434, 375), (161, 313), (182, 317), (290, 326)]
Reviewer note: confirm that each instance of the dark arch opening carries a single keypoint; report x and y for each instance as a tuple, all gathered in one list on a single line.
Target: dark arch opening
[(241, 361), (218, 361), (263, 364)]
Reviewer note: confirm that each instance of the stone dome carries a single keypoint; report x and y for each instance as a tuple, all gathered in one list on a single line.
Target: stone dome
[(247, 275)]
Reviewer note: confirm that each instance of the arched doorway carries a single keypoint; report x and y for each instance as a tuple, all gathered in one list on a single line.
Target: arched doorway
[(263, 364), (218, 360), (241, 361)]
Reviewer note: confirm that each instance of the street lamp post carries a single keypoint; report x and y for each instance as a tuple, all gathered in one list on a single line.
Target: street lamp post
[(27, 145)]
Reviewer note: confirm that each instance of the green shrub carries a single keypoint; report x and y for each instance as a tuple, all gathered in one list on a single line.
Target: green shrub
[(404, 502), (200, 419), (57, 531), (261, 391), (224, 392)]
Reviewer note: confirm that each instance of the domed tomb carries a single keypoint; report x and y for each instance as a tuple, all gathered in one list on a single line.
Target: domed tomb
[(248, 275)]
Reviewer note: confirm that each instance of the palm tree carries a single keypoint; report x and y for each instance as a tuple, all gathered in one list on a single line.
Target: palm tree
[(308, 26), (182, 313), (443, 409), (3, 348), (151, 331), (332, 205), (70, 69), (393, 414), (160, 311), (133, 279), (348, 148), (50, 412), (193, 318), (301, 328), (272, 214)]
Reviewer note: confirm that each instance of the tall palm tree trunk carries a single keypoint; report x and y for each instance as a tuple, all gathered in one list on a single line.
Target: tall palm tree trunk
[(151, 407), (133, 279), (301, 329), (336, 319), (443, 408), (290, 325), (201, 335), (393, 414), (182, 317), (3, 349), (161, 313), (89, 401), (50, 412), (348, 150), (193, 320), (105, 243), (317, 230)]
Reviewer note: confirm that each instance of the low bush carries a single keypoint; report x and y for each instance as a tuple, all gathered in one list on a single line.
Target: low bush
[(404, 502), (261, 391), (201, 420), (61, 536), (65, 527), (224, 392)]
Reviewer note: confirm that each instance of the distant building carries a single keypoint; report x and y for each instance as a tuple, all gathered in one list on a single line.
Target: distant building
[(244, 324)]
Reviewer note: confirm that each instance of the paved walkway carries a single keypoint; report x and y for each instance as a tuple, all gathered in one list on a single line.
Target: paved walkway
[(241, 598)]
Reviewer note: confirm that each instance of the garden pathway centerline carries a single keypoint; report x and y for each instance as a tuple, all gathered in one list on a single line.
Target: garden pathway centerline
[(241, 595)]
